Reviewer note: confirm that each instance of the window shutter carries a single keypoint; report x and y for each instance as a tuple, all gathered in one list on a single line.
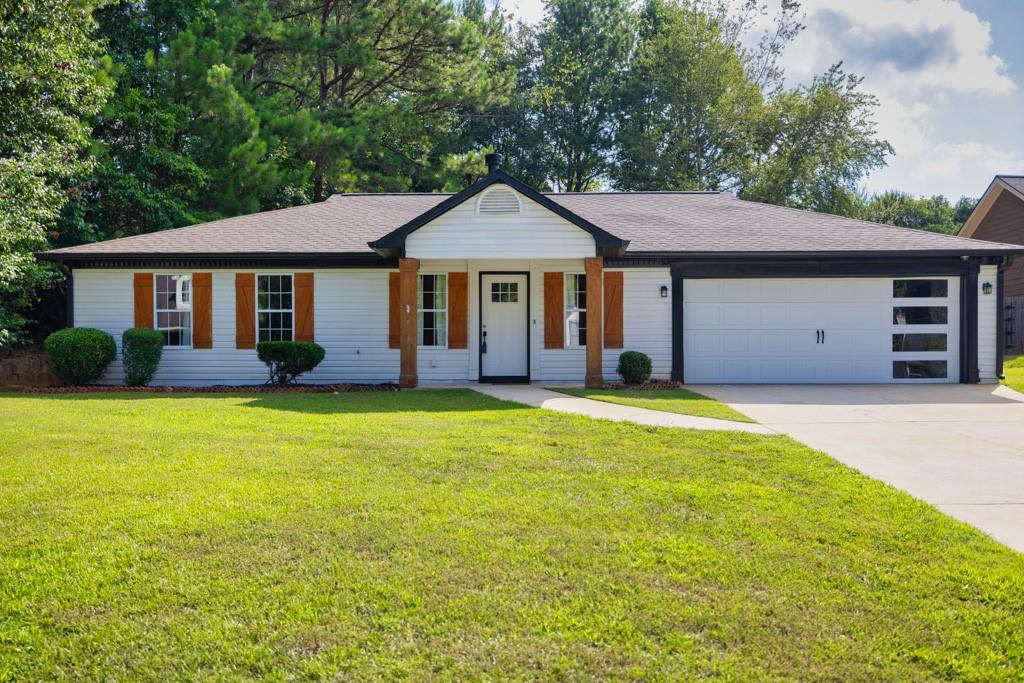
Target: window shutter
[(245, 310), (554, 310), (458, 310), (394, 314), (144, 300), (202, 310), (303, 307), (613, 309)]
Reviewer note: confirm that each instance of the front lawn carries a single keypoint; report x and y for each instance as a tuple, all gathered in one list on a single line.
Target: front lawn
[(681, 401), (1013, 369), (445, 534)]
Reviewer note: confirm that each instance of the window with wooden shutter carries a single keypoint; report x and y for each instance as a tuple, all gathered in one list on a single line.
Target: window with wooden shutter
[(304, 307), (613, 290), (245, 310), (202, 310), (394, 313), (554, 311), (458, 310), (143, 300)]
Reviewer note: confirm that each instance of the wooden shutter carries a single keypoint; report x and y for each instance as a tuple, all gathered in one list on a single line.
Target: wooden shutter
[(202, 310), (245, 310), (554, 310), (303, 307), (394, 314), (613, 309), (458, 310), (144, 301)]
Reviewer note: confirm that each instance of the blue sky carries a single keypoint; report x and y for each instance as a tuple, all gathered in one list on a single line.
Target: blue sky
[(949, 75)]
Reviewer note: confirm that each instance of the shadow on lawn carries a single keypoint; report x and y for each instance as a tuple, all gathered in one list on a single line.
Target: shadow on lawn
[(420, 400)]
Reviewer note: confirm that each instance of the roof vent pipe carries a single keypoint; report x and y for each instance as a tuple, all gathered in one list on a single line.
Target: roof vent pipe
[(493, 162)]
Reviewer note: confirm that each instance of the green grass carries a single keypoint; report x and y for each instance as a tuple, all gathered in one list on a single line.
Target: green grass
[(447, 535), (682, 401), (1013, 369)]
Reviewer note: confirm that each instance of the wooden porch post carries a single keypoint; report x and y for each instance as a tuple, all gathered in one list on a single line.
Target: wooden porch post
[(595, 322), (408, 269)]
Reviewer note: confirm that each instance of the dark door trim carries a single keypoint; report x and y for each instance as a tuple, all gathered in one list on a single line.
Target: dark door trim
[(499, 379)]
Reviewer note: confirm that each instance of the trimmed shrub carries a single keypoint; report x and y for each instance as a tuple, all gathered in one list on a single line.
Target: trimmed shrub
[(80, 354), (634, 367), (286, 360), (141, 349)]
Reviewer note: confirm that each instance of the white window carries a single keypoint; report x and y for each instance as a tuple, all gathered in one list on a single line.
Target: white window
[(274, 313), (433, 310), (174, 308), (575, 309)]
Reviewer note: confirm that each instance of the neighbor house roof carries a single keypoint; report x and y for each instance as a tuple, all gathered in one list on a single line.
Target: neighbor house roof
[(674, 222), (1012, 184)]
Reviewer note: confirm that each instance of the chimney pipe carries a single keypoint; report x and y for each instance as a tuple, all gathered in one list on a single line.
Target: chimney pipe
[(493, 162)]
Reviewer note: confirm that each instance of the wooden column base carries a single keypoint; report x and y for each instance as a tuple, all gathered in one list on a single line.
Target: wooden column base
[(408, 271), (595, 323)]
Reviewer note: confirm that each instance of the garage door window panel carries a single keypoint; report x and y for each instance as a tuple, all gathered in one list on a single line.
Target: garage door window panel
[(920, 369), (920, 315), (920, 289), (919, 342)]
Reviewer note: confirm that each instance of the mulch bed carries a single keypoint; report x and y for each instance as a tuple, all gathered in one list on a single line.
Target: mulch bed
[(652, 385), (248, 389)]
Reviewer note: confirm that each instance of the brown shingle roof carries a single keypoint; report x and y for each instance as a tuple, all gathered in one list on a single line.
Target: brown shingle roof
[(1014, 181), (652, 222)]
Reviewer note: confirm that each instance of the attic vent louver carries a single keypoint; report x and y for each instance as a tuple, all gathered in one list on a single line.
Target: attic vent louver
[(498, 200)]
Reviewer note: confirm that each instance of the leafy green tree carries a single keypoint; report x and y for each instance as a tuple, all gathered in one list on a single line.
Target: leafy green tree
[(583, 47), (814, 144), (360, 91), (688, 115), (934, 214), (51, 82)]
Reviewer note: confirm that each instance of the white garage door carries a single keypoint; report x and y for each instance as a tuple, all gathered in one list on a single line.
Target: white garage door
[(821, 330)]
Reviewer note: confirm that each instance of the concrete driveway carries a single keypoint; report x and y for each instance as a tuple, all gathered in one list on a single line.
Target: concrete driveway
[(959, 447)]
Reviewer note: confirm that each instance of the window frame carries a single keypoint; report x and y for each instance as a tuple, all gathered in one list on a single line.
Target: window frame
[(421, 311), (567, 310), (157, 310), (256, 302)]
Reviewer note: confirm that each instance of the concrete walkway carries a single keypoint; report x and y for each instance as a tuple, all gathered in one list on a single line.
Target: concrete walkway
[(538, 397), (959, 447)]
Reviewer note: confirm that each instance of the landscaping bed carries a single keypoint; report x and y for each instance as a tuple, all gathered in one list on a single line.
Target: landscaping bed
[(220, 389)]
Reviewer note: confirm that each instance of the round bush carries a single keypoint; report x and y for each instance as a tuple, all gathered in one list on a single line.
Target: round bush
[(634, 367), (286, 360), (80, 354), (141, 349)]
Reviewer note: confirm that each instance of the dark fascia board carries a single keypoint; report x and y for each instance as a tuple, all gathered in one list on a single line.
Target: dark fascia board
[(219, 260), (393, 244)]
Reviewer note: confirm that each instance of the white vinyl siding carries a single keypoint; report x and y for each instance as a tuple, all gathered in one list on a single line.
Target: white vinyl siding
[(533, 233), (988, 311)]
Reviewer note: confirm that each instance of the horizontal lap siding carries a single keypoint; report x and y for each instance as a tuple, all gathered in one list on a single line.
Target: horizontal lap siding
[(1004, 222), (535, 233), (988, 309), (351, 319), (647, 321)]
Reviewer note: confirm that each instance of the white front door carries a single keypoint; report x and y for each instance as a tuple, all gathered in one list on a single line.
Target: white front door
[(504, 326), (821, 330)]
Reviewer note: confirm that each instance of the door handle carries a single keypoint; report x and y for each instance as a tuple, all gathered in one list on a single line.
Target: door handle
[(817, 336), (823, 336)]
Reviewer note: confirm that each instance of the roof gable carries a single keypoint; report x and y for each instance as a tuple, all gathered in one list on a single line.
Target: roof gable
[(1013, 185), (393, 244)]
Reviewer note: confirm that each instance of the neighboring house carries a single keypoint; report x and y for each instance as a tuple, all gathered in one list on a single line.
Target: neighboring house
[(503, 283), (999, 217)]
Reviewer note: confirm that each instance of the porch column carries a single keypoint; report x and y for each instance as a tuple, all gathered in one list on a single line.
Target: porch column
[(595, 322), (408, 269)]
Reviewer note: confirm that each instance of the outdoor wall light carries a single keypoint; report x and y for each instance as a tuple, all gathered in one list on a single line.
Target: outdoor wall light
[(986, 288), (664, 291)]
